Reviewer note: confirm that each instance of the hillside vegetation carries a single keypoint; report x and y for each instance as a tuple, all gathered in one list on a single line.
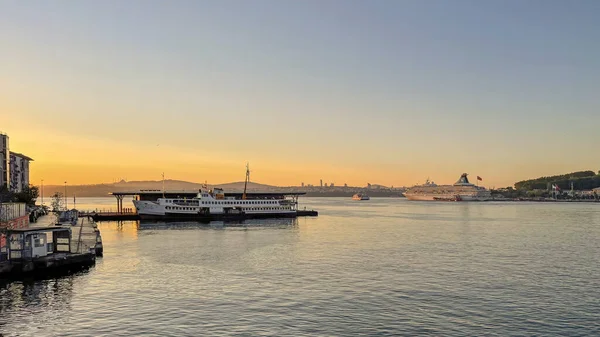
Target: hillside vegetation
[(582, 180)]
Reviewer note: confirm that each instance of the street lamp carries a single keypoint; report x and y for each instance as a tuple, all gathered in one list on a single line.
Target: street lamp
[(66, 203), (42, 192)]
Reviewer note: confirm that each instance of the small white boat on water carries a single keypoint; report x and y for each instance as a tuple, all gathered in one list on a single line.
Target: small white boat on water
[(360, 196)]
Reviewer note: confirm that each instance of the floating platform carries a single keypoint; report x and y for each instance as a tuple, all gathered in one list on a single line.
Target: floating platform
[(307, 213), (46, 251), (50, 265), (195, 217)]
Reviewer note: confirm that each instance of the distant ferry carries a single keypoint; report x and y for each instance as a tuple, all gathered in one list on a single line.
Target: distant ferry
[(462, 190), (360, 196)]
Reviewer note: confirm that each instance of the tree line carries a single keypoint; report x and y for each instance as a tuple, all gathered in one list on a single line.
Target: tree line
[(581, 180)]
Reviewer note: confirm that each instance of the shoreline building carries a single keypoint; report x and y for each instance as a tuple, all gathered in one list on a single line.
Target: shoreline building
[(19, 172), (4, 161), (14, 167)]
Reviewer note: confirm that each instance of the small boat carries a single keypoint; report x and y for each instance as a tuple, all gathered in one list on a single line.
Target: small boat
[(360, 196)]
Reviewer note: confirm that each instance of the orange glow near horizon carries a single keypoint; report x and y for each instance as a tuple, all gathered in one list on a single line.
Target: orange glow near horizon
[(60, 156)]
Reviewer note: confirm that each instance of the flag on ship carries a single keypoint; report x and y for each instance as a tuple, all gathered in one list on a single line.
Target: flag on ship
[(479, 178)]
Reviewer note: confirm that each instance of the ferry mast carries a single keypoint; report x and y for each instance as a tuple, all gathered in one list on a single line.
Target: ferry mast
[(246, 181)]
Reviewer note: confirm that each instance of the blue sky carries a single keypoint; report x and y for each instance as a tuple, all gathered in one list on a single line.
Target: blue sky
[(387, 92)]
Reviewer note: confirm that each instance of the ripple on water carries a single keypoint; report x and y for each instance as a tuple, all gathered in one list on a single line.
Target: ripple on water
[(387, 267)]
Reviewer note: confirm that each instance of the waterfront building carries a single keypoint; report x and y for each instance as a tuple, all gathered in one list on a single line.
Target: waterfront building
[(19, 172), (12, 215), (4, 161)]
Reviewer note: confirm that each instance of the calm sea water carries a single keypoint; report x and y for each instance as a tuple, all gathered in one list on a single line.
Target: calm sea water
[(381, 267)]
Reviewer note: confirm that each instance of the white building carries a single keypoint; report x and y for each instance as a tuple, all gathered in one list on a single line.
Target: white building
[(19, 171), (4, 161)]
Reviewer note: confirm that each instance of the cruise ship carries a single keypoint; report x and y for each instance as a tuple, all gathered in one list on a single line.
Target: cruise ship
[(462, 190)]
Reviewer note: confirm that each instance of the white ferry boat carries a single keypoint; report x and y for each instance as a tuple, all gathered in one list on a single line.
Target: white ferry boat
[(462, 190), (214, 202), (360, 196)]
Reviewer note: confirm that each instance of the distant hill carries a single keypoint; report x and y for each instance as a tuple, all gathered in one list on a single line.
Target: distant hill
[(102, 190), (582, 180)]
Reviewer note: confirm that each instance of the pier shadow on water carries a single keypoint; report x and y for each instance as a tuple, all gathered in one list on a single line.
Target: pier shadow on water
[(46, 275)]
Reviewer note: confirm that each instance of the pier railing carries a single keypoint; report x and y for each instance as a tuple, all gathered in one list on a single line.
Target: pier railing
[(126, 211)]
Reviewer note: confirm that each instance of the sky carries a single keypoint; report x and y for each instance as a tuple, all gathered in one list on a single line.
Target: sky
[(382, 92)]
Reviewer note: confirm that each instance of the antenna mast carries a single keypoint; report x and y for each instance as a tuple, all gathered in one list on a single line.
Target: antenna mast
[(246, 181)]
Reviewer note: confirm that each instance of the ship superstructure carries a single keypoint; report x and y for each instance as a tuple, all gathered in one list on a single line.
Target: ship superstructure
[(462, 190), (214, 202)]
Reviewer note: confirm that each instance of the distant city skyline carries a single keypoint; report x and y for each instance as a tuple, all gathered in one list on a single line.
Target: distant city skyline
[(356, 92)]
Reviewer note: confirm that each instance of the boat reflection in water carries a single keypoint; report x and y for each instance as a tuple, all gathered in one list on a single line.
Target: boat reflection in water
[(250, 223)]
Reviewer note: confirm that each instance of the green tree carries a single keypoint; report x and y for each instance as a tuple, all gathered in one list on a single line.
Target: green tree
[(5, 195), (56, 202), (28, 195)]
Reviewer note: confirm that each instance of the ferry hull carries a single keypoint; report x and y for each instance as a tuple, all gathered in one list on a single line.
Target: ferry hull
[(216, 217)]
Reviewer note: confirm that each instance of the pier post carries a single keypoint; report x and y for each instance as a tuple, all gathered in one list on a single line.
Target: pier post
[(119, 203)]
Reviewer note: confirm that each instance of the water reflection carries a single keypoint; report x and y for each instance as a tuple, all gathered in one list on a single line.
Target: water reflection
[(386, 267), (19, 301), (247, 224)]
